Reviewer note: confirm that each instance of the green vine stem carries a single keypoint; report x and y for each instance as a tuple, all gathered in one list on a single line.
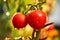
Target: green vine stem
[(37, 35), (27, 10), (33, 34)]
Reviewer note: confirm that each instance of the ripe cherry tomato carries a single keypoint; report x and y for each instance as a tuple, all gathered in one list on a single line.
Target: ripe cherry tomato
[(19, 20), (36, 19)]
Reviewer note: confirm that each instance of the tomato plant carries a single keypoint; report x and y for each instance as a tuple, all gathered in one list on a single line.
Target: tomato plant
[(19, 20)]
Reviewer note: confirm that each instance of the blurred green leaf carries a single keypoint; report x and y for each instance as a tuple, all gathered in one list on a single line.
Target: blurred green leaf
[(42, 1), (15, 33), (14, 30), (22, 6), (57, 38), (29, 2), (6, 29), (1, 2), (12, 6)]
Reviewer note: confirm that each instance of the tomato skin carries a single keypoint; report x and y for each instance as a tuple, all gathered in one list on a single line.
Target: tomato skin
[(19, 20), (36, 19)]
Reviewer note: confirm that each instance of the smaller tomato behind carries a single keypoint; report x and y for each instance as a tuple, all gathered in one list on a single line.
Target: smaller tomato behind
[(52, 33), (19, 20)]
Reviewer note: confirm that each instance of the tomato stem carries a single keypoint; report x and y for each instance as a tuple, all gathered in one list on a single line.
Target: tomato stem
[(33, 34), (28, 9), (48, 24), (37, 35)]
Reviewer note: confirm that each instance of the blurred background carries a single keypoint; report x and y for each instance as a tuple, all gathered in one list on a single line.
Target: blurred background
[(55, 15)]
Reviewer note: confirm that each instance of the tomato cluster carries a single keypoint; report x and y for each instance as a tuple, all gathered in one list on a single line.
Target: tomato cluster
[(35, 19)]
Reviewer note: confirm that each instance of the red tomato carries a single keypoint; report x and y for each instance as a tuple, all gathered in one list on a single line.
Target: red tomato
[(19, 20), (36, 19)]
